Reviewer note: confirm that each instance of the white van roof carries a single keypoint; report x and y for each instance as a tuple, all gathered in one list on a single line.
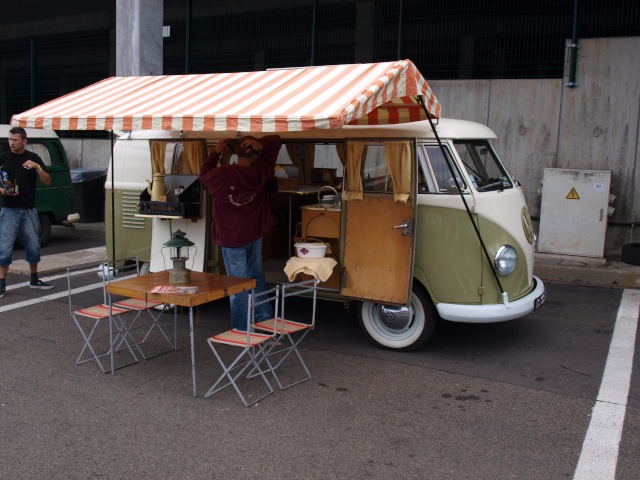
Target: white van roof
[(446, 128), (31, 132)]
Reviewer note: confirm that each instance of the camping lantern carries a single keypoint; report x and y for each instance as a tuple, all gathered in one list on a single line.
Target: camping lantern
[(179, 254)]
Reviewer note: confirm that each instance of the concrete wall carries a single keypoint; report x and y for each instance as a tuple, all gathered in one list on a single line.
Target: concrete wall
[(542, 123)]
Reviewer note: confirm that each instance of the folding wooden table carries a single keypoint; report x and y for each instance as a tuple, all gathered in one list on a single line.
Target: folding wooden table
[(210, 287)]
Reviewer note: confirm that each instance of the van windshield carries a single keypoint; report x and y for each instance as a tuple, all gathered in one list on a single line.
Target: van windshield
[(482, 165)]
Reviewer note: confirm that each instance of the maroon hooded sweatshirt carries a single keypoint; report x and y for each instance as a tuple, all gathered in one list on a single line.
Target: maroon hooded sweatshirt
[(240, 212)]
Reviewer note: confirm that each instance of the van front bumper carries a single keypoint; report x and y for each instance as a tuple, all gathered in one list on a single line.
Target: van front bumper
[(496, 312)]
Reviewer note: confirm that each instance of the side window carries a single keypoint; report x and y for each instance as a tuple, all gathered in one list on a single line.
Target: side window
[(376, 176), (482, 165), (426, 183), (41, 150), (444, 182)]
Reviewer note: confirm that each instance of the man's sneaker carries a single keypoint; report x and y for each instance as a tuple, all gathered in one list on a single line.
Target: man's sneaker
[(2, 291), (41, 285)]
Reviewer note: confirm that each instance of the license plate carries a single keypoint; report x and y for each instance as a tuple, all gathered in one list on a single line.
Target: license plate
[(538, 302)]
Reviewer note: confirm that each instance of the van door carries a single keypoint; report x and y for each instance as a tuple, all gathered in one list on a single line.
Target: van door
[(379, 213), (449, 253)]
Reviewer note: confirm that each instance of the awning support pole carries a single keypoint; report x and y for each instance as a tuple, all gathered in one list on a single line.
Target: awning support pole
[(464, 200), (113, 204)]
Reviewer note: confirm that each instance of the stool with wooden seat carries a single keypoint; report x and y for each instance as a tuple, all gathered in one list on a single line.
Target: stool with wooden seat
[(252, 350), (88, 321), (289, 333)]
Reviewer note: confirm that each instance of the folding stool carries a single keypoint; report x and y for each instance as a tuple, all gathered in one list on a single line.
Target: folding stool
[(252, 347), (131, 266), (290, 333), (88, 320)]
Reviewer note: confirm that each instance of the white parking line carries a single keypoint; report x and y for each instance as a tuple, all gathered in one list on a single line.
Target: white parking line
[(599, 455), (52, 296)]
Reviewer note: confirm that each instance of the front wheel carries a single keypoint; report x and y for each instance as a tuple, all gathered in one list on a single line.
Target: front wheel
[(400, 328)]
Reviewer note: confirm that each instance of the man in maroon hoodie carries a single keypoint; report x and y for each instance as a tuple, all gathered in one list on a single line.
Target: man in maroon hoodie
[(241, 214)]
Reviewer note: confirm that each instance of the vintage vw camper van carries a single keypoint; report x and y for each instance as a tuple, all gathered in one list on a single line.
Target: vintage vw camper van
[(423, 227)]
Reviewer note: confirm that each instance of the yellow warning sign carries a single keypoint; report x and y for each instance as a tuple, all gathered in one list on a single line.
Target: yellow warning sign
[(573, 195)]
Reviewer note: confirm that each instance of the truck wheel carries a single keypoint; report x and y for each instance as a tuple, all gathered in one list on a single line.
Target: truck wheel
[(45, 229), (631, 253), (400, 328)]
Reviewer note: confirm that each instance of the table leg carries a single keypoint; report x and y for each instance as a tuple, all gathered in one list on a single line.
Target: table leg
[(175, 327), (193, 352), (290, 237), (112, 350)]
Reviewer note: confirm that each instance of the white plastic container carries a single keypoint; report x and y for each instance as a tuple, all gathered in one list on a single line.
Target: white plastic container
[(328, 199), (311, 250)]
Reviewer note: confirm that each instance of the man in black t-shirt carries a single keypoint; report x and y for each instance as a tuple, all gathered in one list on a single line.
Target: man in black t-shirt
[(19, 214)]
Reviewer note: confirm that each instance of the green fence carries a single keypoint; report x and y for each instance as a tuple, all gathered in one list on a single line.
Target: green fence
[(454, 39)]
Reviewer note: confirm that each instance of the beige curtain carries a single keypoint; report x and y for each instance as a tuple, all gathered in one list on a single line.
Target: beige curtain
[(341, 150), (303, 160), (294, 155), (353, 171), (191, 159), (158, 150), (398, 155), (308, 161)]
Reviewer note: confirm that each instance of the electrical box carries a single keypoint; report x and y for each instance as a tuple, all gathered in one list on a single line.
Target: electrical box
[(574, 211)]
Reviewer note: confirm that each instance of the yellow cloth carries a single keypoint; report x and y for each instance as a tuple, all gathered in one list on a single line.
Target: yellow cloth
[(321, 268)]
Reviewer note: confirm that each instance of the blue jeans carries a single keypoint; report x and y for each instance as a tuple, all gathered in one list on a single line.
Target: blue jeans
[(246, 261), (12, 221)]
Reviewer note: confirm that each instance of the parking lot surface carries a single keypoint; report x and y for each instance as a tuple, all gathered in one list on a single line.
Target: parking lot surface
[(501, 401)]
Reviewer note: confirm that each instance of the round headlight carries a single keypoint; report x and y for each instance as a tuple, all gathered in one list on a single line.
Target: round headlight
[(506, 260)]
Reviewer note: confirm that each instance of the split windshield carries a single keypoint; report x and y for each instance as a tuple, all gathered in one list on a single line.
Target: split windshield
[(485, 171)]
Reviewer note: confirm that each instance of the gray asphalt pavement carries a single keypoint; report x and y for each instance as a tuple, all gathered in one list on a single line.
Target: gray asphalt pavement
[(502, 401)]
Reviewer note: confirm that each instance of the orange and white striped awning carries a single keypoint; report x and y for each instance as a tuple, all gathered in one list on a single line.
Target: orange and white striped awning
[(292, 99)]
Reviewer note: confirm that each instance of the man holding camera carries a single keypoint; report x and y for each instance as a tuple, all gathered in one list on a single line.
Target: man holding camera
[(19, 214), (241, 214)]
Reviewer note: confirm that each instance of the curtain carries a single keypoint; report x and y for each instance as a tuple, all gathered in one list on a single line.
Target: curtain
[(294, 155), (303, 158), (341, 150), (398, 155), (308, 161), (158, 150), (191, 159), (353, 171)]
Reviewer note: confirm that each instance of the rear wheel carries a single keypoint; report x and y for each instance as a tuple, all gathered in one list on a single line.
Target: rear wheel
[(45, 229), (400, 328)]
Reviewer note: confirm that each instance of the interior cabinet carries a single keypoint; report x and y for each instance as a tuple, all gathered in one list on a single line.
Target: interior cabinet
[(320, 223)]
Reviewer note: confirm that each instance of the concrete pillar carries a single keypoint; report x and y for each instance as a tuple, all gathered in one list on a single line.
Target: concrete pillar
[(139, 37)]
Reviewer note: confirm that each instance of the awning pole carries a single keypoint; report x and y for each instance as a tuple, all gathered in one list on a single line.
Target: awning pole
[(113, 203)]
